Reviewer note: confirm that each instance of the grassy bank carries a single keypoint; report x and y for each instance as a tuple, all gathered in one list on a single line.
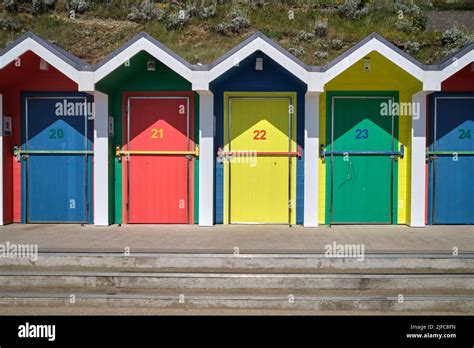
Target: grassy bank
[(315, 31)]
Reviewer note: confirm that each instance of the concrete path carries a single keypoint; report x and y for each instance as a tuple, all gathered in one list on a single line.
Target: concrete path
[(247, 238)]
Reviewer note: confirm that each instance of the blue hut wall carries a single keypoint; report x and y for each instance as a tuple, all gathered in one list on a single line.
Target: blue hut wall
[(244, 78)]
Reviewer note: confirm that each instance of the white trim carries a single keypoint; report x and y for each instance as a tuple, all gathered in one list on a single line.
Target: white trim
[(418, 163), (457, 65), (315, 81), (31, 45), (384, 50), (101, 159), (86, 81), (201, 81), (258, 44), (311, 159), (206, 158), (2, 222), (143, 44), (431, 81)]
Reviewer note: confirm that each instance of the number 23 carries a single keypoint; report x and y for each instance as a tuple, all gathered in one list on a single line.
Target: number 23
[(362, 133)]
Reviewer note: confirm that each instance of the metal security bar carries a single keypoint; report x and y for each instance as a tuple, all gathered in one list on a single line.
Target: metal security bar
[(23, 154), (392, 154), (433, 155), (119, 153), (221, 153)]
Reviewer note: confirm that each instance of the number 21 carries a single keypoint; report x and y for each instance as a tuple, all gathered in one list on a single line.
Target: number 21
[(154, 133)]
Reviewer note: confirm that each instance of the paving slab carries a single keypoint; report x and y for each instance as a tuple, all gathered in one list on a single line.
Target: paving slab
[(244, 238)]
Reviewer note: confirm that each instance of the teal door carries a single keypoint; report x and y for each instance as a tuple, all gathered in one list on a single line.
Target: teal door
[(362, 161)]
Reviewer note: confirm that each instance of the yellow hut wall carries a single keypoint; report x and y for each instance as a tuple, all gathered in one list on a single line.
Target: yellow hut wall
[(382, 76)]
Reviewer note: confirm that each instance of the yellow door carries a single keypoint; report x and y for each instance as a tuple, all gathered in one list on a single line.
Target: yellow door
[(260, 186)]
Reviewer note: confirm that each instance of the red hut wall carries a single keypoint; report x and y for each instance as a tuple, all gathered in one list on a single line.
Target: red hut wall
[(462, 81), (14, 79)]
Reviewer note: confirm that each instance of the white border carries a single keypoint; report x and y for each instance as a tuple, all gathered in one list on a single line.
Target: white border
[(29, 44), (374, 45), (456, 65), (101, 159), (258, 44), (143, 44)]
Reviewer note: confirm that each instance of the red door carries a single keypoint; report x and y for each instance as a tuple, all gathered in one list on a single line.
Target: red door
[(158, 185)]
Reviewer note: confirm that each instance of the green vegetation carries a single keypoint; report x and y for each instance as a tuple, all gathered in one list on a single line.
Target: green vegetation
[(201, 30)]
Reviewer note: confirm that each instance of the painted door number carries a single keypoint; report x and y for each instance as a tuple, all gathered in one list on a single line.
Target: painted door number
[(157, 132), (56, 133), (362, 133), (260, 135), (464, 134)]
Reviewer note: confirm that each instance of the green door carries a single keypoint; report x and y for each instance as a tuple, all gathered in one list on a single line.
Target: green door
[(362, 166)]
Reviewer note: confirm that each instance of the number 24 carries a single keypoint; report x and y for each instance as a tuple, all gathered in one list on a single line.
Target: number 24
[(464, 134)]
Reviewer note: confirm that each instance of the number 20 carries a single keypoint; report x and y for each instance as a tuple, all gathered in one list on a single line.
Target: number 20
[(56, 133)]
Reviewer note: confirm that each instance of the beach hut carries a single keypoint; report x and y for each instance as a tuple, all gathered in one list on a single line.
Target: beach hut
[(47, 135), (450, 142), (153, 114)]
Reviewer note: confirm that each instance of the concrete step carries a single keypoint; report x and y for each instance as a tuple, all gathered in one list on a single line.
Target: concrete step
[(435, 282), (291, 281), (242, 263), (313, 302), (282, 292)]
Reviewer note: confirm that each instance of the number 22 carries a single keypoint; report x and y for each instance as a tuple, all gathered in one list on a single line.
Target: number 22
[(260, 135)]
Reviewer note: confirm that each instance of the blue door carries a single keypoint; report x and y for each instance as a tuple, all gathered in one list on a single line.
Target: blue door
[(57, 164), (451, 159)]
